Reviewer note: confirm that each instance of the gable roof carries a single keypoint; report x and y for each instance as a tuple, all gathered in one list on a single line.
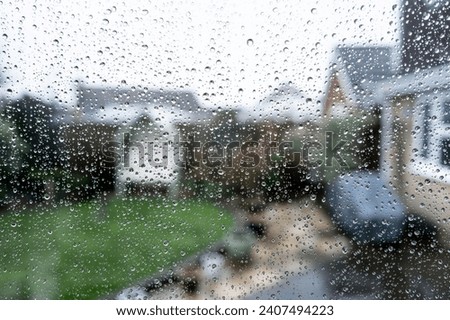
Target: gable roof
[(124, 106), (284, 103), (359, 69), (99, 96), (365, 63), (426, 80)]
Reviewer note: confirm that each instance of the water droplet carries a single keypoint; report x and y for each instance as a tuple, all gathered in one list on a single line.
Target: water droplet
[(250, 42)]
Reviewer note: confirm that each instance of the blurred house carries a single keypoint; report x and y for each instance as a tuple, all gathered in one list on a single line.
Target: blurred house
[(117, 136), (416, 141), (416, 115), (413, 103), (353, 78), (350, 111)]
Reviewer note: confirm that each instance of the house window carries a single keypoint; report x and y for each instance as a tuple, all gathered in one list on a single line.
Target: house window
[(446, 112), (426, 125), (442, 131), (433, 139), (445, 152)]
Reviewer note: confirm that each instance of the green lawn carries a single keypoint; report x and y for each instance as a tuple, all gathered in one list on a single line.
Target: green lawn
[(87, 251)]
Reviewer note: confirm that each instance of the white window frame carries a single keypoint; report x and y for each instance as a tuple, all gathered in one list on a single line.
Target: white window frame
[(430, 166)]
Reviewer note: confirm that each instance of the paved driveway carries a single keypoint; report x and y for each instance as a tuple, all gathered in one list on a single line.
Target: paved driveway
[(303, 256)]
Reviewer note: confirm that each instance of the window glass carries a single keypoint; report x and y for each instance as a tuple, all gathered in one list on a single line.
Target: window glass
[(445, 148), (236, 150)]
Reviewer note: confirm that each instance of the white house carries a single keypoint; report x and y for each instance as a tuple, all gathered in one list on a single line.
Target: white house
[(415, 149), (141, 125)]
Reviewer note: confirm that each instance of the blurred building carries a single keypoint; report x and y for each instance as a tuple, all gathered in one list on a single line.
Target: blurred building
[(353, 78), (117, 136), (425, 34), (350, 112), (416, 114)]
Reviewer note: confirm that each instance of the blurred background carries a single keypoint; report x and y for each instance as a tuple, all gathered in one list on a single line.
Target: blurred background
[(197, 150)]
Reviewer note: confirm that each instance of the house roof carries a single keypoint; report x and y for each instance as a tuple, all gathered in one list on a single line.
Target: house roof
[(365, 63), (123, 106), (284, 103), (436, 78), (360, 68)]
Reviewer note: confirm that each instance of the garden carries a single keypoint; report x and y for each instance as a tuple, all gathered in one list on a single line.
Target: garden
[(94, 248)]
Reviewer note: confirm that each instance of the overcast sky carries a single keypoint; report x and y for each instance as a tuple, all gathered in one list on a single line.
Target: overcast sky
[(230, 54)]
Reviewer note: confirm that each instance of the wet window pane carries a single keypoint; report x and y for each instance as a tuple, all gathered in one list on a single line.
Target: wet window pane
[(244, 150)]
